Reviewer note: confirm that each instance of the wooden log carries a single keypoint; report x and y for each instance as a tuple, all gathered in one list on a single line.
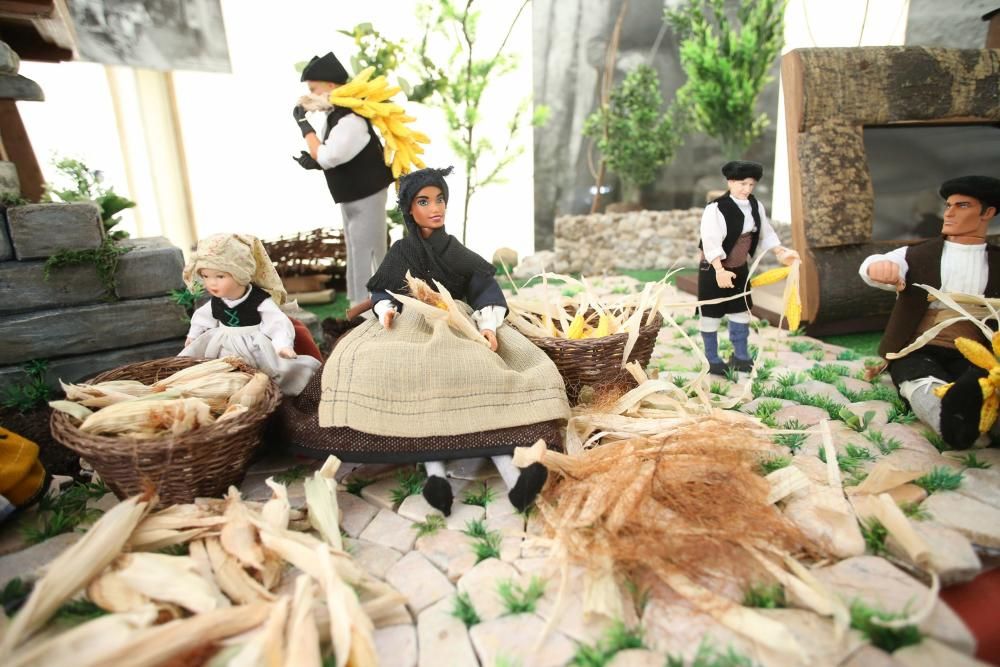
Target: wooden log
[(72, 331), (17, 147)]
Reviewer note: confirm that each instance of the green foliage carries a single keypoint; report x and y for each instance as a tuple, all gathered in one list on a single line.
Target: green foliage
[(616, 638), (32, 392), (9, 199), (486, 543), (790, 379), (104, 258), (719, 388), (519, 599), (897, 416), (293, 474), (409, 482), (915, 511), (77, 611), (765, 412), (355, 484), (936, 440), (635, 137), (765, 596), (732, 375), (885, 445), (828, 373), (847, 354), (793, 441), (970, 461), (87, 185), (461, 97), (709, 656), (14, 594), (464, 610), (874, 533), (188, 297), (765, 369), (817, 355), (727, 66), (940, 479), (887, 639), (802, 346), (768, 465), (483, 497), (62, 512), (431, 524), (851, 460), (854, 422)]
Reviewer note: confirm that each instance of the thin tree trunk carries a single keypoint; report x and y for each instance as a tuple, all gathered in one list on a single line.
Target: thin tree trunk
[(607, 82)]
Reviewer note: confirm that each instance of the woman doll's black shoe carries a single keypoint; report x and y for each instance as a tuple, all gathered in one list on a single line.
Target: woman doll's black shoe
[(960, 409), (438, 494), (529, 483)]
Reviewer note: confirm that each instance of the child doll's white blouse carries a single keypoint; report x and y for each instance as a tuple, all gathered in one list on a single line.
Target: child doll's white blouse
[(273, 323), (713, 229)]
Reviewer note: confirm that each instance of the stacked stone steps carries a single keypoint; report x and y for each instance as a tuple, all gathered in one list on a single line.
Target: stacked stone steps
[(69, 319)]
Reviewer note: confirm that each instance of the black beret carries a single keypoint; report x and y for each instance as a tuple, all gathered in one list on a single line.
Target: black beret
[(737, 170), (984, 188), (325, 68)]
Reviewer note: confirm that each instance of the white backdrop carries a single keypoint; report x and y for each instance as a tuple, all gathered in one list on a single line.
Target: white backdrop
[(239, 135)]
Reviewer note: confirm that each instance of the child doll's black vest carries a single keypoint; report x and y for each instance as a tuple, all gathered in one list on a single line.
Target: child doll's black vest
[(734, 223), (243, 314), (365, 173)]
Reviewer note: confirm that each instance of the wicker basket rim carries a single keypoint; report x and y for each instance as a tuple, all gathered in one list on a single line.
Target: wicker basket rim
[(244, 421), (611, 339)]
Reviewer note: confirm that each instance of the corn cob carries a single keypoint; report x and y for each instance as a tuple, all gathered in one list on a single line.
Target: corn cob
[(793, 310), (575, 331), (991, 402), (225, 364), (976, 353), (603, 326), (770, 277), (252, 392)]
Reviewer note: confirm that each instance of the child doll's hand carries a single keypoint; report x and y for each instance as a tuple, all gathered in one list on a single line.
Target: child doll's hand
[(786, 256), (724, 278), (287, 353), (491, 338)]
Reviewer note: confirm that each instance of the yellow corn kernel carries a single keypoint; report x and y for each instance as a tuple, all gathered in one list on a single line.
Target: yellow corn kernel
[(941, 390), (976, 353), (575, 331), (988, 415), (603, 326), (769, 277), (793, 310)]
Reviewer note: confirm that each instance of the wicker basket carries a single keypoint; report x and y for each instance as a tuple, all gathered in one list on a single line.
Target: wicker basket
[(596, 362), (200, 463)]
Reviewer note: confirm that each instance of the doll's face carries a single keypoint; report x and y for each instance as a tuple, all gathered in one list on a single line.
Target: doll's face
[(320, 87), (221, 284), (966, 216), (428, 208), (742, 189)]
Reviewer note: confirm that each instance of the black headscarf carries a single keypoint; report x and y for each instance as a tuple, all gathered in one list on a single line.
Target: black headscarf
[(440, 256)]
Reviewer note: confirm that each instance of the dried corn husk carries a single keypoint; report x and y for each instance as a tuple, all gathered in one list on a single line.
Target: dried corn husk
[(93, 396), (232, 412), (168, 579), (112, 593), (155, 645), (252, 393), (265, 647), (350, 630), (321, 500), (72, 409), (215, 388), (453, 315), (784, 482), (276, 511), (238, 536), (233, 579), (302, 639), (139, 418), (74, 568), (82, 645), (160, 538), (201, 370), (882, 477)]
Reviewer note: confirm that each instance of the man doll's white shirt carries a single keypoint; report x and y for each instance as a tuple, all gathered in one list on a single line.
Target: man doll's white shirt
[(963, 268), (347, 138), (713, 229)]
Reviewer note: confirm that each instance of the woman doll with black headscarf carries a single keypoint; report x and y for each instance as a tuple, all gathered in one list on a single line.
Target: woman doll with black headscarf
[(411, 392)]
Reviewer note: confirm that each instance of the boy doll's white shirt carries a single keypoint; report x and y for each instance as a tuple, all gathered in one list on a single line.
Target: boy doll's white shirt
[(347, 138), (713, 229)]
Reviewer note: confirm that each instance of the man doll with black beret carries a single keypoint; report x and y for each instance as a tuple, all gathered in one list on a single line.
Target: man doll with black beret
[(958, 261), (344, 145)]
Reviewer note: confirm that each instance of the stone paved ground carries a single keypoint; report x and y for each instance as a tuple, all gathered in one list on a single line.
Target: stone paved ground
[(480, 591)]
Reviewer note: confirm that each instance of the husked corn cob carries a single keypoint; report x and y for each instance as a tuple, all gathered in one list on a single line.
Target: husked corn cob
[(975, 353), (770, 277), (603, 326), (575, 331), (793, 310)]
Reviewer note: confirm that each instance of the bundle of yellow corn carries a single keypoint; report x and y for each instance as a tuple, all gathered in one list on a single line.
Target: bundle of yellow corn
[(369, 98), (189, 399), (252, 589), (791, 299)]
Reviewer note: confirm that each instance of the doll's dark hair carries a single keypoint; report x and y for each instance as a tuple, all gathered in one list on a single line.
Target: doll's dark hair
[(412, 183)]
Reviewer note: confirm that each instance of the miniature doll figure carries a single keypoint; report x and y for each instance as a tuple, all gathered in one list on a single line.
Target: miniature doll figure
[(344, 145), (958, 261), (733, 228), (242, 317), (407, 392)]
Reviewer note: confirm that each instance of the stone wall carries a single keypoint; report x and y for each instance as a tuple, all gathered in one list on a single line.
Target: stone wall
[(69, 320), (594, 244)]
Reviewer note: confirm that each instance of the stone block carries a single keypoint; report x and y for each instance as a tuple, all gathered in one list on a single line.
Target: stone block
[(151, 267), (9, 182), (10, 62), (69, 331), (390, 530), (17, 87), (443, 638), (81, 367), (418, 581), (6, 249), (29, 561), (396, 646), (23, 286), (42, 230)]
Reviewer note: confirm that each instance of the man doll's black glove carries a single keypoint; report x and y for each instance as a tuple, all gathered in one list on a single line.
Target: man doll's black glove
[(306, 161), (299, 113)]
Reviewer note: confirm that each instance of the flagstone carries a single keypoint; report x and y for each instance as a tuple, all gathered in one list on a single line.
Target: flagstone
[(443, 638), (880, 408), (951, 554), (416, 508), (930, 653), (471, 469), (514, 637), (380, 493), (511, 526), (396, 646), (905, 494), (981, 485), (869, 656), (481, 583), (816, 635), (449, 550), (390, 530), (979, 522), (26, 562), (376, 559), (355, 513), (638, 657), (462, 514), (817, 388), (804, 414), (418, 581)]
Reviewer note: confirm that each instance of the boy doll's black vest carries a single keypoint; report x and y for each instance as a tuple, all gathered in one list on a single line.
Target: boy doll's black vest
[(365, 173), (243, 314), (734, 223)]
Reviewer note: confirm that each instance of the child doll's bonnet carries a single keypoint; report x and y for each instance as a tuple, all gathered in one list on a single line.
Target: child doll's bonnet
[(241, 255)]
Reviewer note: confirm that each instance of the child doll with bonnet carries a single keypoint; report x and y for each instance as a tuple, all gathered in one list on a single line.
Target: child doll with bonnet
[(242, 317)]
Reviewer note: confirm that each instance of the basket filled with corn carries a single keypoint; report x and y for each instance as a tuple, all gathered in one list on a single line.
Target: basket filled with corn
[(589, 339), (186, 426)]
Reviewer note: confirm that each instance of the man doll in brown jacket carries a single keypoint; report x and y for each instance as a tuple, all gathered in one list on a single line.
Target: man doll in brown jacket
[(958, 261)]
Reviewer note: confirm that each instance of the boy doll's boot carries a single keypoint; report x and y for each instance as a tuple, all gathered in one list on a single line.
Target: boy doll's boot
[(528, 484), (716, 366), (960, 411), (739, 334), (437, 491)]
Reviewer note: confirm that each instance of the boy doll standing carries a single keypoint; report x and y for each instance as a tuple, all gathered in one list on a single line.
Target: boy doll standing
[(733, 228), (344, 145)]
